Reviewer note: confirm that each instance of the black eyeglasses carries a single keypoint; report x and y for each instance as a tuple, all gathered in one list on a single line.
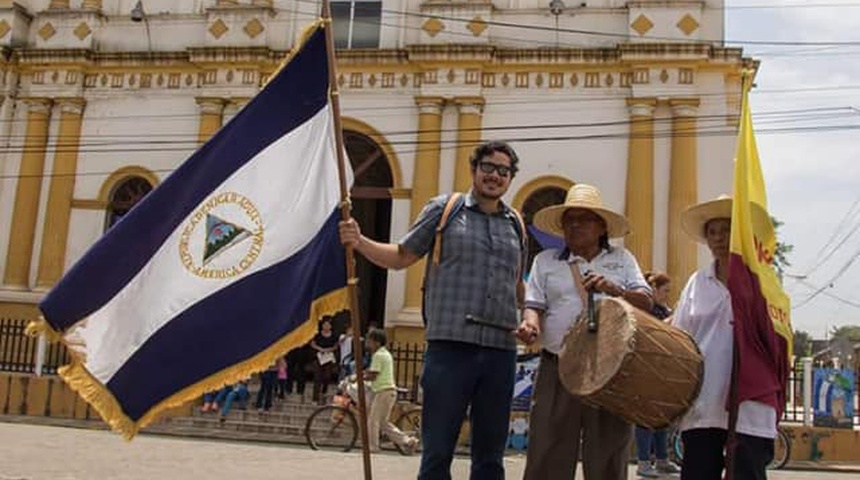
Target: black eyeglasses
[(502, 170)]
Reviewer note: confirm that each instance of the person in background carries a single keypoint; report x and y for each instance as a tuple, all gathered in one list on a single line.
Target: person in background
[(230, 395), (381, 376), (268, 378), (648, 440), (325, 363), (282, 377), (347, 362)]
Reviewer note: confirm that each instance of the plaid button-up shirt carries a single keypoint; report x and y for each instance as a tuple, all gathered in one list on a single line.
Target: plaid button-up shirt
[(476, 276)]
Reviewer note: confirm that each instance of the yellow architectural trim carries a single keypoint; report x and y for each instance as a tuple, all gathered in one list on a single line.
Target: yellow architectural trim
[(22, 234), (425, 181), (121, 174), (363, 128), (52, 256), (211, 117), (536, 184), (683, 189), (469, 122), (88, 204), (401, 193), (639, 197)]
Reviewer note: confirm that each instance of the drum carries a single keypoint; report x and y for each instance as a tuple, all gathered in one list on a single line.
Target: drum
[(634, 366)]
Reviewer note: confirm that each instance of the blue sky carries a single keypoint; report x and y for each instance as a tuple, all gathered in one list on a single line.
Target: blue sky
[(813, 178)]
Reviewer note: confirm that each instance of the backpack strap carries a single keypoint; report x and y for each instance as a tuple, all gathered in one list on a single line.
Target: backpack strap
[(450, 208), (521, 227)]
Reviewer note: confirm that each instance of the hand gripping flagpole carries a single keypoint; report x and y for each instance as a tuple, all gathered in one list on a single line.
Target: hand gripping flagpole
[(352, 280)]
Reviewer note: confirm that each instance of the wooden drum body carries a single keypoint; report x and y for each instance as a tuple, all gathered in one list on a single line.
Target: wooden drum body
[(634, 366)]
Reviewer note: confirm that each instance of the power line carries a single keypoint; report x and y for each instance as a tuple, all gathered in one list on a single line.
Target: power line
[(763, 118), (451, 145), (847, 218), (595, 33), (829, 283), (831, 295)]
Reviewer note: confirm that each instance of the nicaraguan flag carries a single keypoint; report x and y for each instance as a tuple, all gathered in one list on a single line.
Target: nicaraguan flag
[(221, 269)]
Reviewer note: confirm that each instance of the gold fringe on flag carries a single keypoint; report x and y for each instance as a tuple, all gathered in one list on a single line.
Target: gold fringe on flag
[(96, 394)]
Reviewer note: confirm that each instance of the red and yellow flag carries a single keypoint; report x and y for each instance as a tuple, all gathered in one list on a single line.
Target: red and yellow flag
[(762, 326)]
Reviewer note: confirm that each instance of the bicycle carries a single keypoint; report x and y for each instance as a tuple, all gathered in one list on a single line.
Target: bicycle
[(781, 448), (335, 427)]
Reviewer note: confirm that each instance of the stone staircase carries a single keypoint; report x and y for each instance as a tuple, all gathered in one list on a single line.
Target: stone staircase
[(284, 423)]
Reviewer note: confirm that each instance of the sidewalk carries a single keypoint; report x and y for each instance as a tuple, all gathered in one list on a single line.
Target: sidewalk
[(53, 453)]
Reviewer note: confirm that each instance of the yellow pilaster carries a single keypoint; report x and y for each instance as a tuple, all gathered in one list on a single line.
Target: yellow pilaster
[(639, 198), (211, 115), (28, 189), (468, 136), (59, 4), (94, 4), (52, 256), (683, 189), (425, 185)]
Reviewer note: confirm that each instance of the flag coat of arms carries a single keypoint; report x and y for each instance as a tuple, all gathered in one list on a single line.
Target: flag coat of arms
[(761, 309), (221, 269)]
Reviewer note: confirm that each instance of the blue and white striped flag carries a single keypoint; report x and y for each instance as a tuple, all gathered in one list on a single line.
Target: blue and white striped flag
[(221, 269)]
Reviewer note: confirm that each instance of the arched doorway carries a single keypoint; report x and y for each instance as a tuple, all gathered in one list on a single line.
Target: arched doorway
[(540, 198), (371, 207), (124, 196)]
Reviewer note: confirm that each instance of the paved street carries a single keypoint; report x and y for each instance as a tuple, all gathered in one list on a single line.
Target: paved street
[(41, 453)]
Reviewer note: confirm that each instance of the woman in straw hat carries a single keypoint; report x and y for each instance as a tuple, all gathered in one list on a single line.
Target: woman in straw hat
[(705, 311), (554, 299)]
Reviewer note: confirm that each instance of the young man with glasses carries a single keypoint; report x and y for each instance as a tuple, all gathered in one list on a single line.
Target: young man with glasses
[(470, 312)]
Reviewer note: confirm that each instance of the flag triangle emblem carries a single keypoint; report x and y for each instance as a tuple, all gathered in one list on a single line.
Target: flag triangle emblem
[(220, 236)]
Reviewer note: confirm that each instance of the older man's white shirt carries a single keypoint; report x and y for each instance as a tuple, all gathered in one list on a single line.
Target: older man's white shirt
[(705, 311), (551, 288)]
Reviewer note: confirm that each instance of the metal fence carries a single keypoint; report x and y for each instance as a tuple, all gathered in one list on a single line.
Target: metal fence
[(18, 350), (408, 366), (18, 355)]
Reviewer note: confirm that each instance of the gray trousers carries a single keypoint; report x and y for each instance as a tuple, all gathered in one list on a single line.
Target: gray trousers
[(557, 422)]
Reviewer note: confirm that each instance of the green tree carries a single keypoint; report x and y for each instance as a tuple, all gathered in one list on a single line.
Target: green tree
[(781, 252), (849, 332), (802, 344)]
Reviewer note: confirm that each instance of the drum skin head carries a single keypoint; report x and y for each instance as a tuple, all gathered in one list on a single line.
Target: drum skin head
[(589, 360)]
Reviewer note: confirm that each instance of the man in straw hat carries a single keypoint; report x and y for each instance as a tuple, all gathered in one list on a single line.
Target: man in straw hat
[(705, 311), (470, 312), (554, 300)]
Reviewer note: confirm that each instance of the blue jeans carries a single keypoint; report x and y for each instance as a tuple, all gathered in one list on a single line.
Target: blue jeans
[(229, 395), (644, 437), (457, 376)]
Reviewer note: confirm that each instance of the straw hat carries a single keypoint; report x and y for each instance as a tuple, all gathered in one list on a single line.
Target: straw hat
[(694, 218), (584, 196)]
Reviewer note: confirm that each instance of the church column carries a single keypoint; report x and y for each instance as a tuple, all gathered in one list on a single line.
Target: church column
[(19, 255), (52, 256), (468, 137), (639, 198), (683, 189), (211, 114), (425, 185)]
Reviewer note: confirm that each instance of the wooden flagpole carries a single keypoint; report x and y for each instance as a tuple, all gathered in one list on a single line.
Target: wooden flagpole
[(352, 279)]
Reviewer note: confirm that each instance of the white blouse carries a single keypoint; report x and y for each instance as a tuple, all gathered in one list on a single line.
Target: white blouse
[(705, 311)]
